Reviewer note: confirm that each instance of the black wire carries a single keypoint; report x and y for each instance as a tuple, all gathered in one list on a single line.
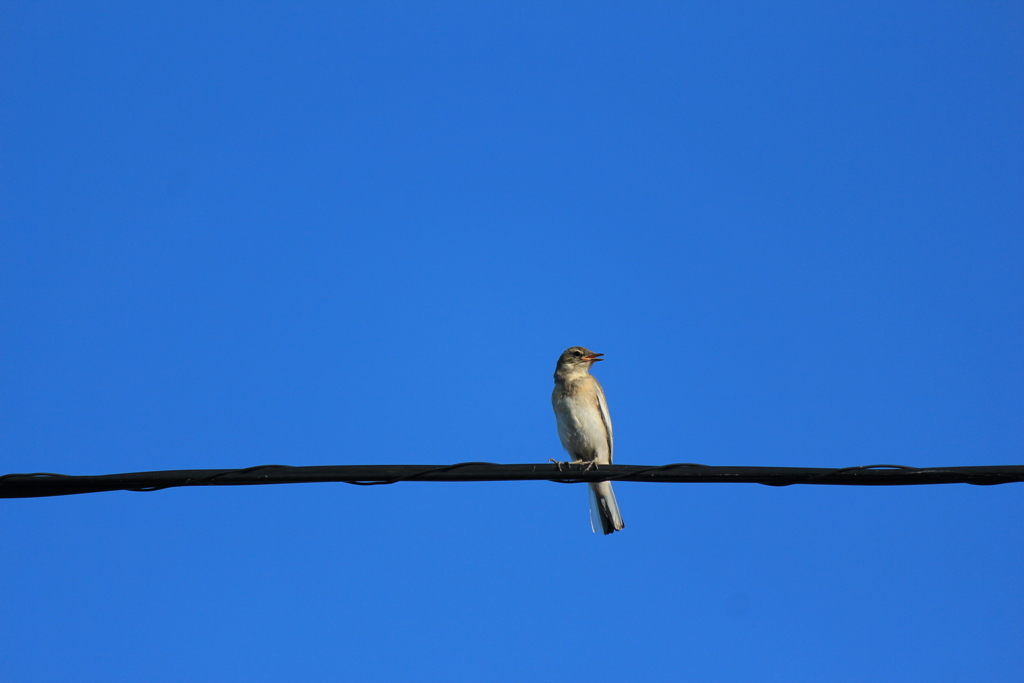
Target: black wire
[(419, 475), (205, 480), (39, 484), (32, 474), (639, 470)]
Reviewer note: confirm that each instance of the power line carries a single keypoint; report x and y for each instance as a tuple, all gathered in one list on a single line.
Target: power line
[(42, 484)]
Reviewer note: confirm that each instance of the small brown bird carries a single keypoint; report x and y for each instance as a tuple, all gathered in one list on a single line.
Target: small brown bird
[(585, 428)]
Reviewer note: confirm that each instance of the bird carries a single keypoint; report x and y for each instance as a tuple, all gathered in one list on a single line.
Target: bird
[(585, 429)]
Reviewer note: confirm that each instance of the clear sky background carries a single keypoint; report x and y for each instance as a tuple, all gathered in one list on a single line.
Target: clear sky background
[(308, 234)]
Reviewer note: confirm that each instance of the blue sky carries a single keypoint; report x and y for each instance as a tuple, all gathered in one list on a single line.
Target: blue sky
[(243, 233)]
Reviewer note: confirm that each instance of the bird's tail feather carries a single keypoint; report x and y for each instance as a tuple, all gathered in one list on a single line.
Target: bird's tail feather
[(604, 511)]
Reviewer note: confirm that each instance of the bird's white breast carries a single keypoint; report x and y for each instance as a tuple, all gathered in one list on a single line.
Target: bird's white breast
[(581, 427)]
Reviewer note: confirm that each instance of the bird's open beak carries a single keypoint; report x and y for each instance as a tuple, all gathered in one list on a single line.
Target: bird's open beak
[(593, 359)]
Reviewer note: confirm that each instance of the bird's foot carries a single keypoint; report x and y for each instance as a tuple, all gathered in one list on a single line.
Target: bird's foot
[(590, 464), (558, 463)]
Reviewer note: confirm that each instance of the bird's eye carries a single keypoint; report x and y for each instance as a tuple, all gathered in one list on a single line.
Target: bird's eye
[(576, 353)]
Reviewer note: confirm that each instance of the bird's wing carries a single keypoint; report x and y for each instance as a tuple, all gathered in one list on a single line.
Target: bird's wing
[(606, 418)]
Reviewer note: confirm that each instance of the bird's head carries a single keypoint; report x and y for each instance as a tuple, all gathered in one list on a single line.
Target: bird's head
[(576, 359)]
